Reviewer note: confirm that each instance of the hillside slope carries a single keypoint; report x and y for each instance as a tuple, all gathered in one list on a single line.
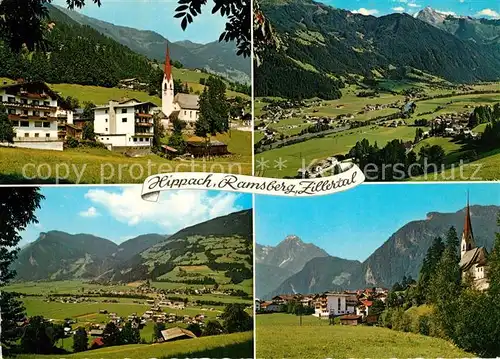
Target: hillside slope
[(321, 40), (218, 57), (220, 248)]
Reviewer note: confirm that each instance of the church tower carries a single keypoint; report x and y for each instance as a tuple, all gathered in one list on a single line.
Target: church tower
[(167, 98), (467, 242)]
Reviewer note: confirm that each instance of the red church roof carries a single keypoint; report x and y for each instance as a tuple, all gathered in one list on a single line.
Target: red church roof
[(168, 67)]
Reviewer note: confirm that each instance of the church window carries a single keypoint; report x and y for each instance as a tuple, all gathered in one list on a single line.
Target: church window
[(190, 114), (124, 110), (185, 112), (124, 119)]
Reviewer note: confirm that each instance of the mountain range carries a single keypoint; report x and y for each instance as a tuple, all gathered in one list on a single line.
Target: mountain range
[(216, 57), (482, 31), (223, 244), (322, 43), (400, 255)]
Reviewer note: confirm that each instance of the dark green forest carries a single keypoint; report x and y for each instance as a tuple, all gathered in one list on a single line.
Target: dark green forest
[(335, 41), (75, 54)]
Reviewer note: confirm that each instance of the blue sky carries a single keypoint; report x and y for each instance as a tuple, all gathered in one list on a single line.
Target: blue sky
[(354, 223), (119, 213), (477, 8), (158, 16)]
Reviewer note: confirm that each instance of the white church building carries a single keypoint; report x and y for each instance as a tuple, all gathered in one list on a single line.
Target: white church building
[(182, 106)]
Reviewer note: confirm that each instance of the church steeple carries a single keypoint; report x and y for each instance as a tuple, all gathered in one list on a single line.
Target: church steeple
[(167, 98), (467, 242), (168, 66)]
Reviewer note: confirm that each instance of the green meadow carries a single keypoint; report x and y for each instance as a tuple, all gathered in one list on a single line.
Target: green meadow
[(281, 336), (237, 345), (320, 148), (103, 166)]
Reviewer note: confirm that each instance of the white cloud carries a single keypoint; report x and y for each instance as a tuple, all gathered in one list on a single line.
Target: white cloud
[(366, 12), (399, 9), (175, 209), (488, 13), (461, 1), (413, 5), (90, 212), (446, 12), (403, 1)]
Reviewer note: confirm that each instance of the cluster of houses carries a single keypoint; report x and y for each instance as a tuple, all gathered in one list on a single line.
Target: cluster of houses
[(453, 125), (352, 307), (43, 120)]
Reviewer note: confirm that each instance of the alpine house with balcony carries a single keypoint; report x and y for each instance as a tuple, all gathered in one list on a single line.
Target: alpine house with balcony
[(32, 108), (125, 124)]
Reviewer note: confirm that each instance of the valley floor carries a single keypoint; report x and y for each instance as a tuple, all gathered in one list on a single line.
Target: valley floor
[(280, 336), (238, 345), (285, 161)]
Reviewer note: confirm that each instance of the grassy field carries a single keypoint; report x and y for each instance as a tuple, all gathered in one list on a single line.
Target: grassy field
[(281, 336), (238, 345), (91, 165), (321, 148), (484, 169)]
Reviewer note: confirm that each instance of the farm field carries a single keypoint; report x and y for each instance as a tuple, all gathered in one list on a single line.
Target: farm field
[(281, 336), (238, 345), (99, 165), (320, 148)]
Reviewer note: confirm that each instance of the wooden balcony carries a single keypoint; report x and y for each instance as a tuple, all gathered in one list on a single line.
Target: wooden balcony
[(143, 124), (28, 106), (31, 118), (143, 115)]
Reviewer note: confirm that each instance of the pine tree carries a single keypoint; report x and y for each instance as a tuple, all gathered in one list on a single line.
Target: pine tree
[(7, 132), (129, 335), (494, 267), (446, 284), (80, 340), (214, 110), (111, 335)]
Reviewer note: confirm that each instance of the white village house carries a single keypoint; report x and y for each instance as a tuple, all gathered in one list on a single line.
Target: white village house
[(333, 303), (33, 109), (125, 124)]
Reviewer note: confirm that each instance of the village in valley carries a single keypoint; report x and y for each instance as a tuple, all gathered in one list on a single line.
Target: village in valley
[(155, 295), (424, 290)]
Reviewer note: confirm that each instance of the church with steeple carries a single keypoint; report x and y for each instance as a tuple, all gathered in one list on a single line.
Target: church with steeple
[(473, 259), (182, 106)]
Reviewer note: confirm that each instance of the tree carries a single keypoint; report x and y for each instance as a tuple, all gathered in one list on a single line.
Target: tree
[(17, 211), (377, 307), (214, 110), (494, 266), (88, 131), (12, 312), (22, 22), (72, 103), (88, 111), (111, 335), (237, 12), (213, 327), (158, 132), (235, 318), (158, 328), (446, 283), (7, 132), (80, 340), (129, 335), (195, 329), (40, 336)]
